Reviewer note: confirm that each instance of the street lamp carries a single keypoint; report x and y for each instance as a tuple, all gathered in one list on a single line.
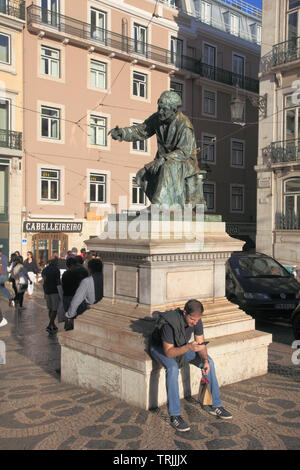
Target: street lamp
[(237, 107)]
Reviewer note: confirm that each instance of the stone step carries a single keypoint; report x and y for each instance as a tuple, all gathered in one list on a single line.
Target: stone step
[(127, 355), (134, 377)]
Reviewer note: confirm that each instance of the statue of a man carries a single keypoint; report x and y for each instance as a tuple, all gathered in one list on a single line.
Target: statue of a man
[(172, 178)]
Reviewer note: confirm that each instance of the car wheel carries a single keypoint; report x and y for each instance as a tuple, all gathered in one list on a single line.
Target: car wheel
[(296, 326)]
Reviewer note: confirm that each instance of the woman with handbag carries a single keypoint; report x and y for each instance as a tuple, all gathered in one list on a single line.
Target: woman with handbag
[(21, 281), (32, 269)]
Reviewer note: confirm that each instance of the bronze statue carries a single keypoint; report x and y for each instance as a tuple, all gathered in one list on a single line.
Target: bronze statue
[(173, 177)]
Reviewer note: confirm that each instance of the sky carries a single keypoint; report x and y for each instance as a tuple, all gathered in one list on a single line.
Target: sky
[(256, 3)]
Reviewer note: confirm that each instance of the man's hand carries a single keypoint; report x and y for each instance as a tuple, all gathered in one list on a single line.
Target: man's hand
[(194, 346), (205, 368), (116, 133), (154, 166)]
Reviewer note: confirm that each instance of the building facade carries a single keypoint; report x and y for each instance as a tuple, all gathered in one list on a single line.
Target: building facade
[(278, 168), (12, 16), (96, 64)]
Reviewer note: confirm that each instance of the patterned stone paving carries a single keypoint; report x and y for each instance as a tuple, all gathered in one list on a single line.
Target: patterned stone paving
[(39, 412)]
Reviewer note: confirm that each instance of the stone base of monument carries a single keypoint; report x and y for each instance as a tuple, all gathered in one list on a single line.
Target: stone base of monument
[(107, 350)]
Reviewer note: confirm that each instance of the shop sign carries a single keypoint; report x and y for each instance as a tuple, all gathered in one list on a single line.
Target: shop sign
[(45, 227)]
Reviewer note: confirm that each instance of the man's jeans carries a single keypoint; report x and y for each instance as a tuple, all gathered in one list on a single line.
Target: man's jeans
[(172, 371), (2, 286)]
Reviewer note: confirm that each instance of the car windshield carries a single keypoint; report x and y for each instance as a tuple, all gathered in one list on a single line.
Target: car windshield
[(259, 267)]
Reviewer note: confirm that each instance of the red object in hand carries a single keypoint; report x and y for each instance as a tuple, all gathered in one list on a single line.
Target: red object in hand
[(204, 380)]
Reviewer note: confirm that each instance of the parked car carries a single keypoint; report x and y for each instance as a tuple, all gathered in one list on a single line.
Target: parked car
[(295, 319), (261, 285)]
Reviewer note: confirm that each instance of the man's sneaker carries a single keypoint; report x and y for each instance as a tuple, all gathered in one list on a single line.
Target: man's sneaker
[(178, 423), (220, 412), (3, 322), (49, 329), (54, 328)]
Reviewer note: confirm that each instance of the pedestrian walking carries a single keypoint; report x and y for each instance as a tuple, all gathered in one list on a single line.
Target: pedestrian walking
[(11, 279), (170, 347), (32, 269), (22, 281), (4, 274), (51, 279), (3, 321), (89, 292)]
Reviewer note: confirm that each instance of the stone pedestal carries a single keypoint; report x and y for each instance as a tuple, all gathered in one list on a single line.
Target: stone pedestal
[(107, 350)]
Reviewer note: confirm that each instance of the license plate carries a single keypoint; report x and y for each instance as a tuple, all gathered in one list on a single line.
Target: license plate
[(285, 306)]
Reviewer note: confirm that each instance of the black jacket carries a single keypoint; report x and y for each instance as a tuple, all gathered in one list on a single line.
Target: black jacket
[(175, 319)]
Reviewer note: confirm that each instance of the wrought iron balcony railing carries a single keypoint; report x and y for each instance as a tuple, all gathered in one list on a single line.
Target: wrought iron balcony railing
[(14, 8), (288, 221), (61, 24), (285, 151), (10, 139), (286, 52)]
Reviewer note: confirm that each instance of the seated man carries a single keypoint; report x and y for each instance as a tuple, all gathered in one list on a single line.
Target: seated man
[(90, 291), (170, 346)]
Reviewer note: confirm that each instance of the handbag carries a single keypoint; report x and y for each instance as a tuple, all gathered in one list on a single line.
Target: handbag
[(204, 395)]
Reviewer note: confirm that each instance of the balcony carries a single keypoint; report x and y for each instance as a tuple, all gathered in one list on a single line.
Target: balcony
[(84, 34), (287, 221), (286, 52), (14, 8), (285, 151), (10, 139)]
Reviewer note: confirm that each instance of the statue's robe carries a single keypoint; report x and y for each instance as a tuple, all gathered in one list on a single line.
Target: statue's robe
[(176, 143)]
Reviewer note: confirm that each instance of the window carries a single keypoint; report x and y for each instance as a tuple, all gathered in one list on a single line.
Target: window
[(206, 12), (140, 84), (98, 126), (4, 122), (209, 195), (234, 25), (291, 120), (209, 55), (98, 74), (98, 25), (237, 198), (294, 4), (50, 126), (50, 9), (177, 87), (237, 153), (50, 61), (5, 48), (97, 187), (176, 51), (255, 33), (140, 145), (209, 103), (292, 201), (209, 148), (140, 39), (138, 195), (50, 185), (238, 68)]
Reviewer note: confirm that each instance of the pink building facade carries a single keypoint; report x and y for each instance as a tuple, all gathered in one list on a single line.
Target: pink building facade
[(91, 65)]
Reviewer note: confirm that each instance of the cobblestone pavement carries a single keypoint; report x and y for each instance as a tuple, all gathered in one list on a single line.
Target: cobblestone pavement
[(37, 411)]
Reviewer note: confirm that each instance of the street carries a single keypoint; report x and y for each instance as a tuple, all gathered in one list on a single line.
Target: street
[(39, 412)]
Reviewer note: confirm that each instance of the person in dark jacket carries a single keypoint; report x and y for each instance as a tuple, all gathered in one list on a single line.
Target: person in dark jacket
[(71, 279), (3, 273), (170, 345), (90, 291), (32, 269), (51, 279)]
